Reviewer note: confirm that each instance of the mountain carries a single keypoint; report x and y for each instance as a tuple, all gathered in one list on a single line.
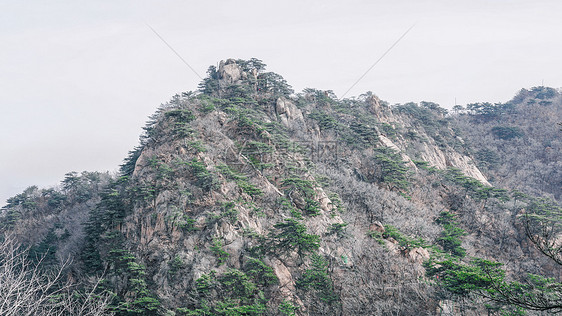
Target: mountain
[(244, 198), (518, 143)]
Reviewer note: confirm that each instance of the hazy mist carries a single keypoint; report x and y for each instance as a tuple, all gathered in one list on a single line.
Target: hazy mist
[(79, 78)]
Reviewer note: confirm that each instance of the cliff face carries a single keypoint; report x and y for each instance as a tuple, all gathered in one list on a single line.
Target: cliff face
[(436, 152), (246, 199)]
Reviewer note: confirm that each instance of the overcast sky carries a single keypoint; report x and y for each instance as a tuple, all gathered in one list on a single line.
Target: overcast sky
[(78, 79)]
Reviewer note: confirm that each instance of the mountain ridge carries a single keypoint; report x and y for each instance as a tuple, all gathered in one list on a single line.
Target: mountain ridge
[(245, 198)]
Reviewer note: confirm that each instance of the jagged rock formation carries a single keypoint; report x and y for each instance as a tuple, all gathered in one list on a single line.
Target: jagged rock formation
[(288, 112), (246, 199)]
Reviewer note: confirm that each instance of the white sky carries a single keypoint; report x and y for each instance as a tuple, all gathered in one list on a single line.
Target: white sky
[(78, 79)]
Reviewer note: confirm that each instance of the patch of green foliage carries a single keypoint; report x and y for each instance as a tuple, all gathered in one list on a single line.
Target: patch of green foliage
[(450, 237), (461, 279), (209, 103), (115, 204), (257, 152), (367, 134), (317, 280), (279, 134), (388, 130), (426, 115), (203, 177), (272, 83), (17, 206), (136, 299), (336, 202), (487, 158), (181, 119), (391, 169), (148, 189), (377, 236), (542, 92), (485, 110), (55, 200), (240, 180), (312, 207), (338, 229), (128, 166), (229, 211), (291, 235), (231, 294), (196, 146), (286, 205), (325, 121), (543, 226), (219, 252), (45, 251), (488, 279), (507, 132), (319, 97), (424, 165), (176, 265), (351, 125), (474, 187), (403, 240), (287, 308), (305, 187), (260, 272), (184, 222)]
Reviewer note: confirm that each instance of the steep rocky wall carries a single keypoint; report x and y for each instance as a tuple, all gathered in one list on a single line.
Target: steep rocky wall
[(441, 157)]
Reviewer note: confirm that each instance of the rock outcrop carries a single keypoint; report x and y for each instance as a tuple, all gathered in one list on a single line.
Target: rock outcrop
[(287, 111), (229, 71)]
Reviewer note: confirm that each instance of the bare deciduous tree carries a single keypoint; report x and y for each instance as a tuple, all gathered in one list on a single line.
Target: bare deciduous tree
[(26, 289)]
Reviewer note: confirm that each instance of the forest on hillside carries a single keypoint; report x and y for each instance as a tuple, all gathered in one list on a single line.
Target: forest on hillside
[(246, 198)]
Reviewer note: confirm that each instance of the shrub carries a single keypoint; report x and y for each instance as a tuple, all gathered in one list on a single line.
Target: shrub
[(338, 229), (461, 279), (488, 158), (287, 308), (312, 207), (367, 134), (305, 187), (219, 252), (450, 238), (260, 272), (230, 212), (316, 278), (181, 118), (185, 222), (507, 132), (176, 264), (403, 240), (292, 235), (232, 293), (204, 178), (391, 169), (325, 121), (241, 180)]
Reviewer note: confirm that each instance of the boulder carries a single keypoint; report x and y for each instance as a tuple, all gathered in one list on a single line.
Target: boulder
[(287, 111), (229, 71)]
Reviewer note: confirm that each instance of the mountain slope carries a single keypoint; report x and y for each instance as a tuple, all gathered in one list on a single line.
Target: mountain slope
[(246, 199), (518, 143)]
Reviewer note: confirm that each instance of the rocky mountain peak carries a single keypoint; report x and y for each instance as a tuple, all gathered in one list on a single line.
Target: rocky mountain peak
[(245, 198)]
